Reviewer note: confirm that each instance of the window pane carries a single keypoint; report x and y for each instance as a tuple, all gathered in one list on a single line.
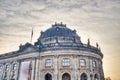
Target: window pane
[(14, 66), (94, 63), (48, 62), (13, 75), (66, 62), (82, 62), (7, 67), (5, 75)]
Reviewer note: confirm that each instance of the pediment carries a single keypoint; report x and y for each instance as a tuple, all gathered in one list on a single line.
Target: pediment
[(27, 48)]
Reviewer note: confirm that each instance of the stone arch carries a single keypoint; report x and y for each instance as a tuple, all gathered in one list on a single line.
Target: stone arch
[(66, 76), (7, 67), (15, 64), (83, 76), (96, 76), (48, 76)]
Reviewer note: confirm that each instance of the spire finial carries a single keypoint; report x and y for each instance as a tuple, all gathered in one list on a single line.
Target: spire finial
[(88, 42), (97, 45), (55, 23), (31, 35)]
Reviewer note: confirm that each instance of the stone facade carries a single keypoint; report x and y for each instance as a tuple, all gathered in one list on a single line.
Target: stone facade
[(58, 54)]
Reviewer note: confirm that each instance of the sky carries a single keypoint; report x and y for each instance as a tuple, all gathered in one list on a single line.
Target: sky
[(98, 20)]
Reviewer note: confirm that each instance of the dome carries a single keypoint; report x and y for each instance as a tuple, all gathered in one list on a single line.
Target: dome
[(59, 37), (58, 30), (58, 34)]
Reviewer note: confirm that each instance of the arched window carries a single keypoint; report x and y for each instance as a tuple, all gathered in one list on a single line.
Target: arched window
[(82, 62), (7, 67), (1, 71), (66, 62), (94, 63), (5, 76), (14, 66), (66, 76), (96, 77), (14, 71), (83, 76), (48, 76), (6, 71), (13, 75), (1, 68), (48, 63)]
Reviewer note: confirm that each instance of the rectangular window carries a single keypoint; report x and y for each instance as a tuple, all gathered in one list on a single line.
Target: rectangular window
[(48, 63), (66, 62), (82, 62)]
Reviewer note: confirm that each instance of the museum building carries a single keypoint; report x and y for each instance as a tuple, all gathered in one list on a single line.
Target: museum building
[(58, 54)]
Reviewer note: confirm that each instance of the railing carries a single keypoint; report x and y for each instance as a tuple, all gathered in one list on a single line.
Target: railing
[(69, 46)]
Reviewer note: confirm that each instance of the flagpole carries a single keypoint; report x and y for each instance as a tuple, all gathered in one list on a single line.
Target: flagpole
[(31, 35)]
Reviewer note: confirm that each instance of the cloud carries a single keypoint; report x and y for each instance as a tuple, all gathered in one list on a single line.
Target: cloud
[(15, 13), (95, 19)]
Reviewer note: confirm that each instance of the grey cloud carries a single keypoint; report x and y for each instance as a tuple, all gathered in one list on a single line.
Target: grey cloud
[(29, 8), (95, 12), (13, 35), (97, 18)]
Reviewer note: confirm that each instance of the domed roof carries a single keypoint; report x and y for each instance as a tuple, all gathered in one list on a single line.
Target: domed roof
[(59, 37), (58, 30)]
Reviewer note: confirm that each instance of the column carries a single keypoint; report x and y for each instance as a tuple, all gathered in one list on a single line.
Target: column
[(56, 67), (18, 72), (37, 70), (33, 69), (40, 68), (91, 71), (75, 67)]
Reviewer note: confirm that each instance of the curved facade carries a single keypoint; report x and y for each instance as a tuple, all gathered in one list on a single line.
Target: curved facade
[(58, 54)]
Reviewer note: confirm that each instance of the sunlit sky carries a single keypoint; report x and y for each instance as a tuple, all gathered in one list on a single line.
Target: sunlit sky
[(98, 20)]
